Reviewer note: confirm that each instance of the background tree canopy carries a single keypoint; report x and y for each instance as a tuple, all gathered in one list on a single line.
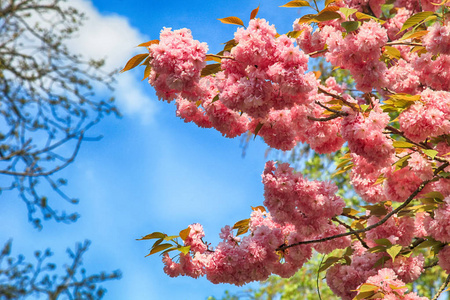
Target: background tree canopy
[(47, 106), (47, 102)]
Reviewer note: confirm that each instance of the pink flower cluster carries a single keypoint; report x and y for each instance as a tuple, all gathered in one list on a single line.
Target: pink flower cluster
[(433, 72), (265, 73), (344, 279), (308, 205), (403, 78), (398, 184), (364, 134), (360, 54), (211, 113), (438, 226), (240, 261), (437, 41), (398, 230), (363, 177), (283, 129), (444, 258), (391, 287), (366, 5), (176, 63), (429, 117)]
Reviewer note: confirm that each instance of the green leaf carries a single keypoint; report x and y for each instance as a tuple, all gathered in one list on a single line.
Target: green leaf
[(294, 34), (260, 208), (258, 128), (413, 34), (377, 249), (241, 223), (427, 244), (416, 19), (357, 224), (147, 71), (159, 248), (434, 195), (402, 162), (154, 235), (242, 230), (347, 11), (328, 263), (134, 62), (350, 211), (149, 43), (158, 242), (419, 49), (392, 52), (296, 3), (402, 144), (242, 226), (377, 209), (350, 26), (211, 69), (405, 97), (167, 251), (169, 238), (380, 179), (184, 249), (343, 163), (306, 19), (254, 13), (232, 20), (216, 98), (378, 295), (229, 45), (384, 242), (381, 261), (393, 251), (445, 174), (327, 16), (210, 57), (430, 152), (367, 287), (439, 4), (362, 16), (364, 295), (185, 233)]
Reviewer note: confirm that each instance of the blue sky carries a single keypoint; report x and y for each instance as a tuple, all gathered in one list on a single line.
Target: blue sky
[(150, 172)]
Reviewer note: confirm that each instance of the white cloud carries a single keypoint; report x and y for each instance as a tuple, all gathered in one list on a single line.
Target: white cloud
[(113, 38)]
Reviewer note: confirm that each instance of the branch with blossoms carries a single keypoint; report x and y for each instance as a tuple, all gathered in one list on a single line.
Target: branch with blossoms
[(396, 127), (373, 226)]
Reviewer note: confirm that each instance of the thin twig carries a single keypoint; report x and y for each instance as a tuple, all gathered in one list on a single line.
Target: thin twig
[(403, 43), (338, 97), (350, 228), (221, 56), (330, 109), (433, 264), (317, 52), (442, 288), (317, 279), (324, 119)]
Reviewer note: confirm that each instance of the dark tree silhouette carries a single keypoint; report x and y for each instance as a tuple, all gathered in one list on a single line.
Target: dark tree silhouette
[(21, 279), (46, 101)]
